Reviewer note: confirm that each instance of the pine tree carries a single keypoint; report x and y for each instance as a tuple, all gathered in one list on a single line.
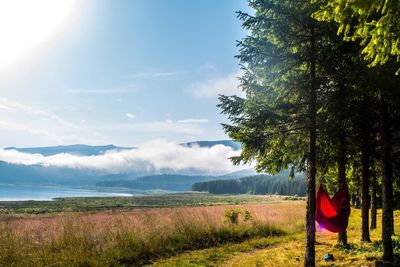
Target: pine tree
[(277, 121)]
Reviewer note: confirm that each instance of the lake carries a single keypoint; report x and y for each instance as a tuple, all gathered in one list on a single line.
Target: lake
[(27, 192)]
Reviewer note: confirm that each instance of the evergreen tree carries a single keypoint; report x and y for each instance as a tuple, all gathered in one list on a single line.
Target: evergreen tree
[(300, 80), (277, 121)]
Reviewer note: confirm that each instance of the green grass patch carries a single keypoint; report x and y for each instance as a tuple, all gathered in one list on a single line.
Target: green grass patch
[(187, 238), (217, 256)]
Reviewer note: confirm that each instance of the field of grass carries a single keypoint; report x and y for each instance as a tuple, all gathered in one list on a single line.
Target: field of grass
[(173, 230), (126, 203), (288, 250), (138, 236)]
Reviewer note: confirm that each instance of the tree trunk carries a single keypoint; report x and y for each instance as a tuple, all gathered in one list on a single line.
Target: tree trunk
[(391, 214), (353, 200), (387, 178), (365, 186), (392, 220), (373, 201), (341, 161), (309, 260)]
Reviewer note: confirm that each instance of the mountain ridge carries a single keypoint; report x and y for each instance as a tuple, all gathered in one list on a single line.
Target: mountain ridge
[(92, 150), (75, 149)]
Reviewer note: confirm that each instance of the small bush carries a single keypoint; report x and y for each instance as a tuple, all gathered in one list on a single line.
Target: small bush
[(232, 215), (247, 216)]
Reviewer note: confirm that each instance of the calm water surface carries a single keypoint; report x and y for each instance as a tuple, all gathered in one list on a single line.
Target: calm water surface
[(26, 192)]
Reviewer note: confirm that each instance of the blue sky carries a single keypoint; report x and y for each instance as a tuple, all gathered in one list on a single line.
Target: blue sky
[(125, 72)]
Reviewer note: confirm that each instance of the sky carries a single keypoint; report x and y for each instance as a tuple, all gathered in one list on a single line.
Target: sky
[(124, 72)]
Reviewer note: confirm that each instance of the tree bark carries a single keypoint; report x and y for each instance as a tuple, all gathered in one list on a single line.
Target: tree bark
[(373, 201), (309, 260), (365, 147), (392, 218), (341, 161), (387, 178)]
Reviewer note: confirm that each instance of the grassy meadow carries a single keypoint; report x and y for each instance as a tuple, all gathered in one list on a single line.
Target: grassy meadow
[(81, 204), (138, 236), (208, 230), (288, 250)]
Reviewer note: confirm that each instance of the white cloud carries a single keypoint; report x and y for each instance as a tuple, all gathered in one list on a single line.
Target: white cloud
[(156, 75), (130, 115), (157, 155), (227, 85), (190, 120)]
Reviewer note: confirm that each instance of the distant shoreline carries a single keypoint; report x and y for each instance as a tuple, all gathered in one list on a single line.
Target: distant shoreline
[(16, 192)]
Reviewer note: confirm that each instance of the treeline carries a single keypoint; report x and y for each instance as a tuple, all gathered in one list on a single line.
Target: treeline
[(173, 182), (256, 185), (327, 104)]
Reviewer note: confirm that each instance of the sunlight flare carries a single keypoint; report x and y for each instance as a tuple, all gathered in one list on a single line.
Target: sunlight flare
[(25, 25)]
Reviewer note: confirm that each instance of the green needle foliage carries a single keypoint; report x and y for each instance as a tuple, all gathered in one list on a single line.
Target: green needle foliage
[(272, 119), (376, 24)]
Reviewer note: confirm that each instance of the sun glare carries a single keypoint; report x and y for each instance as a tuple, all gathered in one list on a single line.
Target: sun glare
[(27, 24)]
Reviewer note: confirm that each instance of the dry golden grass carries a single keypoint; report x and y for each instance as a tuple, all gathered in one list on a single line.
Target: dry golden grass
[(46, 228), (134, 237), (143, 235)]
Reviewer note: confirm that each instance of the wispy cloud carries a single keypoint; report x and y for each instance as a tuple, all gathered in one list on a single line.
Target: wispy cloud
[(161, 127), (116, 90), (130, 115), (156, 155), (190, 120), (20, 121), (156, 75), (42, 114), (226, 85), (43, 124)]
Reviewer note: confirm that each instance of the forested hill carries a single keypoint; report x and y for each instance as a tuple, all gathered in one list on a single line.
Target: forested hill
[(173, 182), (257, 185)]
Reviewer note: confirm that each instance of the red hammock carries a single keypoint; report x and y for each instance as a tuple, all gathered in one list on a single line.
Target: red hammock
[(333, 214)]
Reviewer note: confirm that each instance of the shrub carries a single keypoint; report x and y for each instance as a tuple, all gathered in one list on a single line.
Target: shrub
[(232, 215), (247, 215)]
